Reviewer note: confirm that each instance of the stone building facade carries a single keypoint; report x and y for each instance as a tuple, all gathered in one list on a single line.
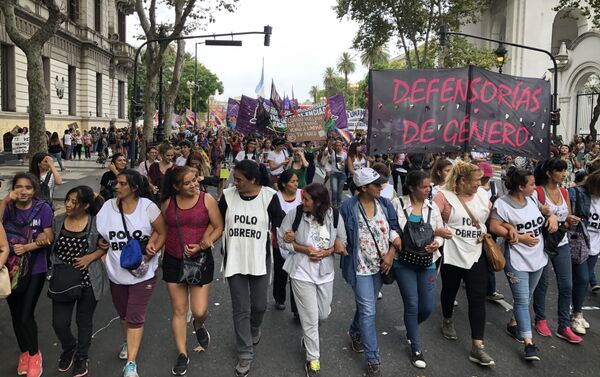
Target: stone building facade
[(86, 64), (567, 34)]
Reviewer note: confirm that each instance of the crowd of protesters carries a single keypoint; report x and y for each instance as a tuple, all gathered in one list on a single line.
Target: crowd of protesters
[(431, 216)]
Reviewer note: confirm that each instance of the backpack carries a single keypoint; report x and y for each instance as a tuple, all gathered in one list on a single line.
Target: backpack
[(45, 190), (542, 195), (415, 237), (300, 211)]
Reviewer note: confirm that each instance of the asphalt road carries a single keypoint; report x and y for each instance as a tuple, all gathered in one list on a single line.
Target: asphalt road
[(279, 354)]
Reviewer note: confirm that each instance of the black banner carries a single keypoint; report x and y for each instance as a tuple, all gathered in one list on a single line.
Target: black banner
[(453, 110)]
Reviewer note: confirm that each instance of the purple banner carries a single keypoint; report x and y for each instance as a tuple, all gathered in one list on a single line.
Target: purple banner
[(233, 108)]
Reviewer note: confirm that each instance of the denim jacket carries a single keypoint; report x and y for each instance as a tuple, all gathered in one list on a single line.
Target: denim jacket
[(586, 202), (349, 212), (97, 271)]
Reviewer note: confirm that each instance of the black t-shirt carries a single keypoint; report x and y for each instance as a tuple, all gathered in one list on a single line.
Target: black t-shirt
[(108, 180)]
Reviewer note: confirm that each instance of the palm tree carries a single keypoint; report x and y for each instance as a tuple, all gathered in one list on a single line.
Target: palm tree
[(329, 81), (373, 56), (346, 66), (314, 93)]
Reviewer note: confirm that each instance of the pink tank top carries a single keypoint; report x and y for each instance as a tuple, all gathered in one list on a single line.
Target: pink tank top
[(193, 223)]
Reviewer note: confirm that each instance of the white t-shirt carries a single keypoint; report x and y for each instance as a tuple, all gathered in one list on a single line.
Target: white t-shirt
[(67, 140), (594, 226), (561, 211), (242, 155), (277, 158), (139, 225), (525, 219), (387, 191), (308, 270), (288, 206), (181, 161)]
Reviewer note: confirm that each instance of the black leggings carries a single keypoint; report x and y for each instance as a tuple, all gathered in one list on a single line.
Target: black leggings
[(62, 313), (280, 278), (476, 284), (22, 310)]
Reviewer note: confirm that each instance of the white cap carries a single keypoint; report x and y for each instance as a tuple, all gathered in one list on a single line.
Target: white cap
[(365, 176)]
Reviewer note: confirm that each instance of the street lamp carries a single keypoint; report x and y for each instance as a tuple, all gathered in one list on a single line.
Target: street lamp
[(191, 85), (354, 88), (500, 56)]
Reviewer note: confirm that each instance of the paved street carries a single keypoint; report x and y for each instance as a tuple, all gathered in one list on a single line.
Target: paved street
[(279, 353)]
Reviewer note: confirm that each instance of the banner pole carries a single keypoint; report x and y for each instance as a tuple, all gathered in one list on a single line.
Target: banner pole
[(468, 110)]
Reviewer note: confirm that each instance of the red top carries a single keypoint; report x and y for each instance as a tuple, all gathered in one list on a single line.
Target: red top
[(193, 223)]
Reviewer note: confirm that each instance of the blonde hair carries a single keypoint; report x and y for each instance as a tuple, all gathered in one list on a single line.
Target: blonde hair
[(460, 170)]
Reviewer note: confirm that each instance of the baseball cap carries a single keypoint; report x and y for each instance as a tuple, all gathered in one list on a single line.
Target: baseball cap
[(365, 176), (486, 168)]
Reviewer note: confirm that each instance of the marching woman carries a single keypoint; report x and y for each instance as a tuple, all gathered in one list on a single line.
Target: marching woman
[(249, 210), (76, 252), (460, 201), (525, 257), (131, 216), (289, 197), (373, 238), (249, 153), (42, 166), (549, 176), (356, 160), (311, 263), (28, 225), (157, 171), (440, 170), (417, 282), (299, 165), (108, 181), (188, 213)]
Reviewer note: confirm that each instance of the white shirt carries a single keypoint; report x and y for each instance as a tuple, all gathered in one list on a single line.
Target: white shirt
[(561, 211), (308, 270), (67, 140), (181, 161), (139, 225), (388, 191), (242, 155), (594, 226), (277, 158)]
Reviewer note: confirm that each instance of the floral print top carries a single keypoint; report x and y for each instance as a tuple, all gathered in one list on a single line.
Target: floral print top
[(368, 257)]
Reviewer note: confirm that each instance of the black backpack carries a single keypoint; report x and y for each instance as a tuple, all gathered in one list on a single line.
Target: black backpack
[(415, 236), (300, 211), (45, 190)]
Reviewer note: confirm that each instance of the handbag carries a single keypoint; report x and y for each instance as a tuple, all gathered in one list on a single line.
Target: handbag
[(131, 254), (5, 288), (552, 240), (493, 253), (415, 237), (191, 269), (579, 238), (387, 278)]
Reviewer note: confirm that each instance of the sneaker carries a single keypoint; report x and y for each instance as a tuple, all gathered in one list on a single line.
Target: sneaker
[(256, 338), (130, 370), (448, 330), (496, 296), (542, 328), (514, 332), (35, 368), (568, 335), (479, 356), (123, 352), (373, 368), (531, 352), (81, 368), (577, 326), (313, 368), (579, 316), (65, 362), (180, 367), (379, 295), (416, 358), (23, 364), (202, 336), (279, 306), (596, 288), (243, 367), (356, 343)]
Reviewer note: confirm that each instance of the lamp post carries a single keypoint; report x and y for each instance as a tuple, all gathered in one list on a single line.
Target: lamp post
[(555, 111), (191, 86), (354, 88), (135, 100), (500, 56)]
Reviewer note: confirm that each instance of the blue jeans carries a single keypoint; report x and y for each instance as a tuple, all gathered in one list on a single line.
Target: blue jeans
[(522, 285), (591, 263), (581, 278), (564, 279), (58, 158), (337, 181), (366, 290), (417, 287)]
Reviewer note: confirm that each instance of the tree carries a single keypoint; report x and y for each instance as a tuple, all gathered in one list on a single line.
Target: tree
[(32, 47), (410, 22), (329, 81), (314, 93), (346, 66), (589, 9), (374, 55)]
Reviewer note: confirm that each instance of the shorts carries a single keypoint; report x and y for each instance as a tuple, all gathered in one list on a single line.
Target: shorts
[(172, 265), (131, 301)]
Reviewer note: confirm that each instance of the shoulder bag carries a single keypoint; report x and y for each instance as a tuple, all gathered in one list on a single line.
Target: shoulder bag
[(388, 278), (552, 240), (131, 254), (493, 253), (193, 268), (579, 238), (415, 237)]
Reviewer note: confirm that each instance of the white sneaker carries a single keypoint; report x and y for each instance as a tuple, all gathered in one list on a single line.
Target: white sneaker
[(577, 326), (130, 370), (379, 295), (123, 352), (585, 323)]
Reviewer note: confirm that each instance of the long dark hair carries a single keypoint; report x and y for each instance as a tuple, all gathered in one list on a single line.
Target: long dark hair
[(413, 179), (321, 201), (253, 171), (592, 183), (34, 164), (85, 195), (437, 168), (173, 178), (35, 181), (284, 179), (516, 178), (548, 166), (138, 183)]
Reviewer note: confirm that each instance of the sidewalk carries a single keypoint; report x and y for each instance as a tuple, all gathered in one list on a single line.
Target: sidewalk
[(84, 172)]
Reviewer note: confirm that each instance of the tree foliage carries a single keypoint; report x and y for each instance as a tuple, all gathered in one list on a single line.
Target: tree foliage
[(409, 23), (589, 9), (374, 55), (346, 66)]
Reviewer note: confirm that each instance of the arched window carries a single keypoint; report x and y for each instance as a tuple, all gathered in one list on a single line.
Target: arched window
[(568, 25)]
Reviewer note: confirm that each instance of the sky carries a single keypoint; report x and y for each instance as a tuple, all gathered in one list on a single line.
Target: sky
[(307, 37)]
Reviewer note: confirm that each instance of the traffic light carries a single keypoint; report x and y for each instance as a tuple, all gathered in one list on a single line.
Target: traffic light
[(555, 117)]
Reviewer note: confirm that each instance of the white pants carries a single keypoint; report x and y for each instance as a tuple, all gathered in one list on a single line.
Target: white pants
[(314, 305)]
